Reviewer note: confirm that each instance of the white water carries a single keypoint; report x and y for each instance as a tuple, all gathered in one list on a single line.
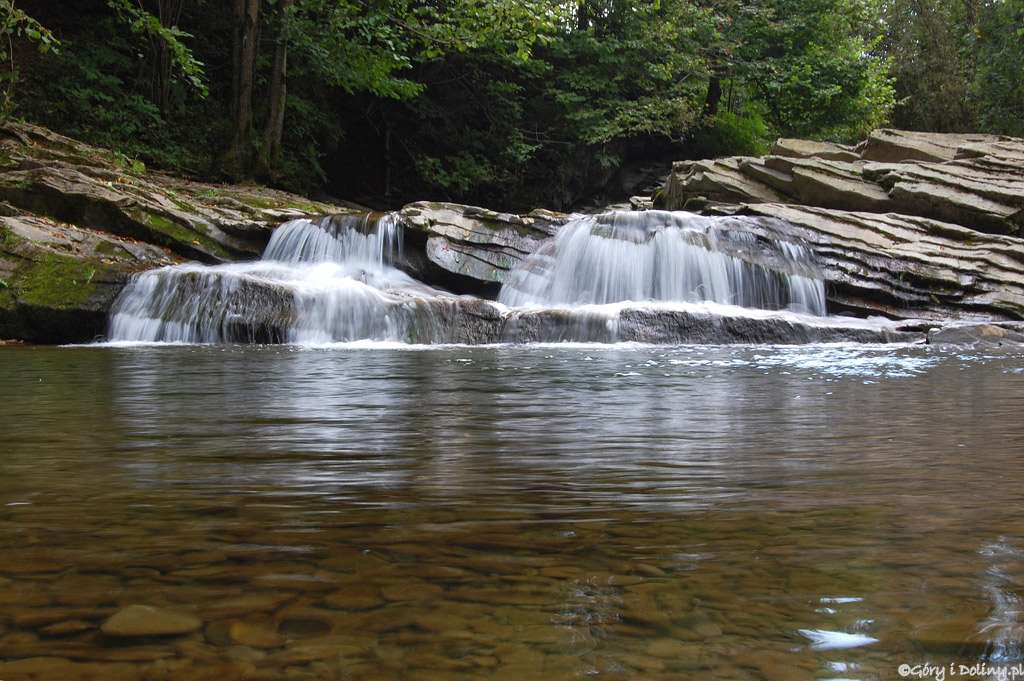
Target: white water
[(662, 256), (318, 282), (334, 280)]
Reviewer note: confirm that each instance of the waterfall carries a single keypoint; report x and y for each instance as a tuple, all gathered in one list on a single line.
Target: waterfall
[(318, 282), (651, 275), (670, 257), (368, 239)]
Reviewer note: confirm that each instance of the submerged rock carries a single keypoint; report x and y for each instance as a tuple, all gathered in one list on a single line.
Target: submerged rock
[(986, 335), (145, 620)]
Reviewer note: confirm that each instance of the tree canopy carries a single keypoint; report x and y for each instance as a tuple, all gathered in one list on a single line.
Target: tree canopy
[(510, 102)]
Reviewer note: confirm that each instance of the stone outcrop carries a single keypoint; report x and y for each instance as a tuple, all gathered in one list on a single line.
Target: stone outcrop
[(466, 246), (259, 311), (145, 620), (58, 281), (46, 174), (905, 224), (978, 335), (903, 266), (976, 181), (76, 221)]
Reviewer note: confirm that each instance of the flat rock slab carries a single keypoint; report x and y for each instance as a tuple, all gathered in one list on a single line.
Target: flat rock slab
[(145, 620), (976, 181)]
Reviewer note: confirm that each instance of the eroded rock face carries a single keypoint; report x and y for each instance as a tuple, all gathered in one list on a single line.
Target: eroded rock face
[(904, 266), (78, 220), (976, 181), (905, 224), (979, 335), (475, 245), (45, 174), (57, 282)]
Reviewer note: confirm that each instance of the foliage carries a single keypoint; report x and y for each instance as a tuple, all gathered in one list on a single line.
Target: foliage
[(811, 64), (728, 133), (519, 102), (16, 24), (998, 84), (957, 64)]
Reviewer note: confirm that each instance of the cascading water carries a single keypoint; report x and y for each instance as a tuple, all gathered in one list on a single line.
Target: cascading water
[(318, 282), (669, 257), (621, 276)]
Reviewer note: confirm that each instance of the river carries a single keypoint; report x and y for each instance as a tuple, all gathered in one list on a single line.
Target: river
[(511, 512)]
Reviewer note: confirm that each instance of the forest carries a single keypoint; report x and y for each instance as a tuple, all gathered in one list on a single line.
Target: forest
[(506, 103)]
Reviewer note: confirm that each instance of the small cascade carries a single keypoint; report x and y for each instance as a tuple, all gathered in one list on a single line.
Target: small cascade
[(654, 276), (668, 257), (369, 239), (318, 282)]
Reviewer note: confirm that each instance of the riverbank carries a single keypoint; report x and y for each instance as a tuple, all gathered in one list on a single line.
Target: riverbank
[(76, 222)]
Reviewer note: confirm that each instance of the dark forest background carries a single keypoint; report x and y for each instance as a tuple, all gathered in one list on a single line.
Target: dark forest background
[(506, 104)]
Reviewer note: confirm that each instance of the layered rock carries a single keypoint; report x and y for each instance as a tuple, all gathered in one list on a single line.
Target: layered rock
[(58, 281), (467, 245), (905, 224), (901, 266), (976, 181), (78, 220), (45, 174), (221, 306)]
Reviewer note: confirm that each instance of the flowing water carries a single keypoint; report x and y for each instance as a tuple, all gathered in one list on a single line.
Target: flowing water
[(339, 279), (543, 512), (666, 256)]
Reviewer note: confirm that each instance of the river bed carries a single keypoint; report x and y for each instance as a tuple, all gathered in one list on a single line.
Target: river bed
[(510, 512)]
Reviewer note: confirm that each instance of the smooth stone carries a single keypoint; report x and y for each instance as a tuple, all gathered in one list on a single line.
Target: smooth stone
[(322, 649), (67, 628), (145, 620), (245, 604), (32, 619), (304, 627), (650, 570), (254, 635), (356, 596), (410, 591), (296, 582), (642, 662)]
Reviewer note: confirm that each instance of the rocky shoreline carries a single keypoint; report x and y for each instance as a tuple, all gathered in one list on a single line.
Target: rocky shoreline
[(77, 221)]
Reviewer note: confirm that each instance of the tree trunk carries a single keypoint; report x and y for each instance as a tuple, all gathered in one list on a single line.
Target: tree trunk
[(713, 98), (270, 151), (238, 159), (169, 12)]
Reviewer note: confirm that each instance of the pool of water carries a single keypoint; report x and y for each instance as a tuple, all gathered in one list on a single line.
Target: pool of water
[(544, 512)]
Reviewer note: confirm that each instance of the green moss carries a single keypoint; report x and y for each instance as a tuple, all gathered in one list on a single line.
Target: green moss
[(6, 160), (54, 281), (178, 233), (109, 248), (266, 202)]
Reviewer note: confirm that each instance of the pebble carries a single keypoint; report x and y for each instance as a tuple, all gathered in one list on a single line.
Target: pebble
[(254, 635), (67, 628), (145, 620)]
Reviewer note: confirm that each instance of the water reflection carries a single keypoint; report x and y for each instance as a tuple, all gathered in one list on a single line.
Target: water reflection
[(546, 512)]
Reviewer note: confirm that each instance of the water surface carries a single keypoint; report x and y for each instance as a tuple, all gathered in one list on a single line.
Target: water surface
[(552, 512)]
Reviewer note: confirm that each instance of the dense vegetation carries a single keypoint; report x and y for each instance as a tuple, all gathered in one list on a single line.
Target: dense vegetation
[(511, 103)]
